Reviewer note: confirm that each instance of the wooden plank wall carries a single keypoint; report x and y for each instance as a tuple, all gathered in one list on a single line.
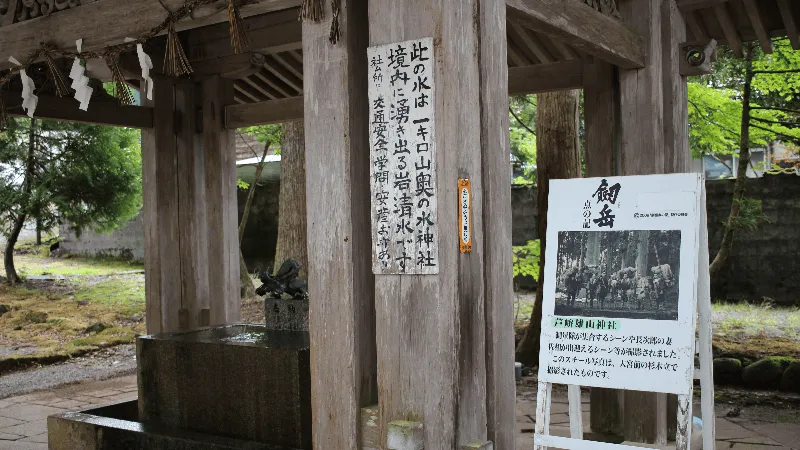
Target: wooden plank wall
[(341, 284)]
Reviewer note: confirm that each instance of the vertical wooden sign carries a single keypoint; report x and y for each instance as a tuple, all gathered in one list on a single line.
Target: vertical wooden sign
[(405, 238), (465, 215)]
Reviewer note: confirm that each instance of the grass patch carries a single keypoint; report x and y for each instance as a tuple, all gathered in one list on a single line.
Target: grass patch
[(741, 320), (36, 265)]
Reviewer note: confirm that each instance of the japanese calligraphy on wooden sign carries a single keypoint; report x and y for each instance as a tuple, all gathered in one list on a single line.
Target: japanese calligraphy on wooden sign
[(465, 215), (620, 300), (405, 234)]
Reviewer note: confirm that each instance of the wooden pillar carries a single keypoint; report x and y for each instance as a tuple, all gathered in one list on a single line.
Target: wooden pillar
[(654, 139), (221, 205), (601, 110), (160, 199), (189, 209), (438, 333), (341, 284), (495, 147)]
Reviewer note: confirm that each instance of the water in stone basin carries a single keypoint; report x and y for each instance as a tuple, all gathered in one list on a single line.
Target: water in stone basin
[(248, 334)]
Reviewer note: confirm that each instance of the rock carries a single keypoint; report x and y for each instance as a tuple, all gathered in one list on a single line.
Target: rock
[(765, 373), (137, 317), (727, 371), (791, 377), (95, 328), (4, 309)]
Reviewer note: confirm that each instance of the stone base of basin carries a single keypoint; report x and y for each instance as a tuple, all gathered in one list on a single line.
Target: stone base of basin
[(117, 427)]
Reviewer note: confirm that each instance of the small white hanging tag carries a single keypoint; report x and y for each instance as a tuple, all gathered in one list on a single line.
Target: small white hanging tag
[(146, 64), (80, 82), (29, 100)]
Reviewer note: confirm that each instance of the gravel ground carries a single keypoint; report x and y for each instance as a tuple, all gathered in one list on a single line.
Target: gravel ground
[(100, 365)]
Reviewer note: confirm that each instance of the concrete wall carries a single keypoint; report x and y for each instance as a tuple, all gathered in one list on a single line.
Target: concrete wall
[(126, 242), (258, 245)]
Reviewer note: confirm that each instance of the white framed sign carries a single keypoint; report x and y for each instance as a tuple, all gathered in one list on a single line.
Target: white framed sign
[(405, 231), (620, 282)]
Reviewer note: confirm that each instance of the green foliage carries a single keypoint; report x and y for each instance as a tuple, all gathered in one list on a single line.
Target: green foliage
[(526, 259), (751, 215), (266, 134), (241, 184), (88, 176), (715, 101), (522, 118)]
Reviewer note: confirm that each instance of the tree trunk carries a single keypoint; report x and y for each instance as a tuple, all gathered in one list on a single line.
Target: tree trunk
[(292, 241), (741, 170), (38, 232), (19, 222), (247, 288), (557, 156)]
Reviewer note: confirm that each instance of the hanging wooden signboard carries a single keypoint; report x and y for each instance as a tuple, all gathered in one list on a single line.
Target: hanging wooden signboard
[(405, 231), (624, 275), (465, 215)]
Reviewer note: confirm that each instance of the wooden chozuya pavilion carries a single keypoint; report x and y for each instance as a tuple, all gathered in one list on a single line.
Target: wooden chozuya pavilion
[(437, 349)]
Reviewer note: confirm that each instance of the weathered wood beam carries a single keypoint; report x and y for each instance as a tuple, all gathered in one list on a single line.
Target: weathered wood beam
[(280, 72), (790, 23), (66, 109), (104, 23), (564, 50), (290, 64), (729, 29), (538, 78), (515, 56), (754, 15), (275, 85), (239, 86), (531, 42), (581, 27), (693, 5), (693, 24), (269, 33), (263, 113), (233, 66)]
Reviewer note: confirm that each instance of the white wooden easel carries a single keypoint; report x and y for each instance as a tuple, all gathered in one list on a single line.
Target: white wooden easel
[(543, 439)]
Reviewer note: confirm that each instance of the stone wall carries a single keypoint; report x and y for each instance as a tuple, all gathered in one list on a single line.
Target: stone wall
[(524, 214), (765, 263), (261, 232)]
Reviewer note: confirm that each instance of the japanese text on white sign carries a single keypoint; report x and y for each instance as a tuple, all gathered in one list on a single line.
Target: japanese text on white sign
[(403, 158)]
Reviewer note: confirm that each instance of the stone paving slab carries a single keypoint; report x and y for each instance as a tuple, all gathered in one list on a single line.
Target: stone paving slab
[(23, 424), (23, 419)]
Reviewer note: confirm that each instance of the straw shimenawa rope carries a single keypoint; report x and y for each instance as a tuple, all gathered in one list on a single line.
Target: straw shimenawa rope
[(123, 91), (239, 38), (61, 86)]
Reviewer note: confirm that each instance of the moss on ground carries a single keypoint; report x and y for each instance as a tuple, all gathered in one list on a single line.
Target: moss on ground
[(49, 320)]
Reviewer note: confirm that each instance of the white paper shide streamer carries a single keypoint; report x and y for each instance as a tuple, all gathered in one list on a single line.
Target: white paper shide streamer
[(146, 64), (29, 100), (80, 82)]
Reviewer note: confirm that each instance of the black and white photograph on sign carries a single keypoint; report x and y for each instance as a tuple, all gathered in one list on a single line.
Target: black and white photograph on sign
[(618, 274)]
